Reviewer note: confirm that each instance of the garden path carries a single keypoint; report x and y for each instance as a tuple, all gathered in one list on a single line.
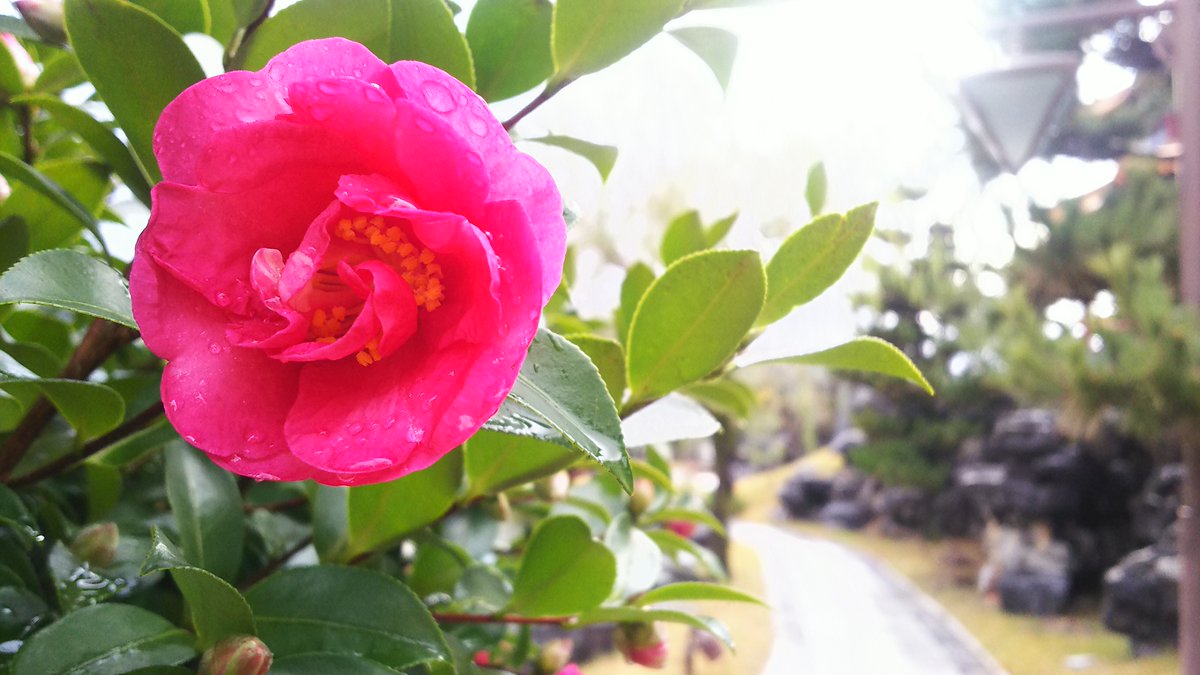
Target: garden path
[(835, 612)]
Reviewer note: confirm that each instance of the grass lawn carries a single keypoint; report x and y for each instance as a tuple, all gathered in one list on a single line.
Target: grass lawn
[(1022, 645), (749, 624)]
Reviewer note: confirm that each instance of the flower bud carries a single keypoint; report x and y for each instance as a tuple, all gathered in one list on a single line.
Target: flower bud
[(481, 658), (683, 528), (237, 655), (642, 643), (26, 68), (709, 646), (555, 656), (642, 497), (45, 17), (97, 544)]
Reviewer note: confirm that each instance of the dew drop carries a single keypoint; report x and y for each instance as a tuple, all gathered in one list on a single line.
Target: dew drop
[(415, 434), (391, 422), (465, 421), (327, 87), (174, 405), (213, 348), (355, 429), (190, 439), (261, 476), (477, 124), (253, 439), (425, 125), (438, 96)]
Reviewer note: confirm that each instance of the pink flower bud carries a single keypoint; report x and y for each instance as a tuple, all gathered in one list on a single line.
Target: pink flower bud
[(683, 528), (482, 658), (26, 68), (45, 17), (237, 655), (642, 497), (642, 643), (97, 544)]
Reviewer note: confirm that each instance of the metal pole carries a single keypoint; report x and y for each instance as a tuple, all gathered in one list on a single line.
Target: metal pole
[(1186, 84)]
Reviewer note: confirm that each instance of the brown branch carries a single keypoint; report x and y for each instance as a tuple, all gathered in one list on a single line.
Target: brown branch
[(101, 340), (273, 566), (443, 617), (132, 426), (28, 145), (547, 93)]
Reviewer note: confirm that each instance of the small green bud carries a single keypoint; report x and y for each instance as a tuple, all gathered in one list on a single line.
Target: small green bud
[(555, 655), (642, 497), (97, 544), (237, 655)]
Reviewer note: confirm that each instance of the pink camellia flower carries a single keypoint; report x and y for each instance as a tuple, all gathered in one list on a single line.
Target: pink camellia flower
[(683, 528), (344, 266), (570, 669)]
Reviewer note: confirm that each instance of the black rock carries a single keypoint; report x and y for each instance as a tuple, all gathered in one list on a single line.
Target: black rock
[(904, 507), (803, 495), (850, 515), (1141, 594), (1155, 507), (1041, 593), (1023, 435)]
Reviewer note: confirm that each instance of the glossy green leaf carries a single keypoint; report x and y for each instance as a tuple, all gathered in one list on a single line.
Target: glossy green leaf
[(692, 319), (716, 46), (135, 446), (103, 141), (69, 280), (510, 41), (723, 396), (654, 473), (689, 515), (345, 610), (14, 241), (496, 462), (639, 615), (104, 486), (588, 35), (713, 234), (87, 181), (694, 590), (684, 236), (16, 170), (815, 189), (865, 354), (609, 359), (11, 411), (16, 516), (208, 511), (325, 664), (813, 258), (559, 394), (185, 16), (563, 571), (105, 639), (639, 560), (59, 72), (603, 157), (91, 408), (381, 514), (331, 521), (684, 550), (437, 566), (421, 30), (638, 278), (217, 610), (137, 63), (19, 608)]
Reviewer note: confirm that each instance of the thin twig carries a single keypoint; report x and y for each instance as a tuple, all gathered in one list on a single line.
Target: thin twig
[(273, 566), (28, 146), (503, 618), (132, 426), (102, 339), (547, 93)]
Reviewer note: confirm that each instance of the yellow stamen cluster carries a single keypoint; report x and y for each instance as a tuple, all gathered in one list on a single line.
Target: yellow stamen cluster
[(327, 326), (369, 354), (417, 266)]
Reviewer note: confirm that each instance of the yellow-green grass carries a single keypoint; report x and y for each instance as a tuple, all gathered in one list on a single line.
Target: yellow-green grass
[(749, 624), (1021, 644)]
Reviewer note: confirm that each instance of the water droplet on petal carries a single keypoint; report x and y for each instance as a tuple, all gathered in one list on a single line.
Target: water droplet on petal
[(327, 87), (415, 434), (262, 475), (355, 429), (425, 125), (253, 439), (438, 96), (213, 348)]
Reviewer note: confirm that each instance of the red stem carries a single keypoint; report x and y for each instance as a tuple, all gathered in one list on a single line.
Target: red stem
[(502, 618)]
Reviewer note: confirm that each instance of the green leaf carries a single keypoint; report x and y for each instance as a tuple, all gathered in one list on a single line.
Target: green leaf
[(11, 411), (59, 72), (608, 357), (135, 446), (16, 516), (185, 16), (11, 82), (496, 462), (331, 521), (865, 354), (91, 408), (102, 640), (104, 487), (592, 34), (638, 278), (639, 615), (424, 30), (15, 169), (208, 511), (324, 664), (689, 515), (681, 549), (714, 233), (53, 227), (510, 40), (14, 241), (694, 590), (137, 63), (684, 236), (559, 389), (69, 280), (217, 610), (563, 570), (103, 141), (724, 396), (437, 566), (812, 259), (816, 188), (716, 46), (692, 319), (17, 26), (395, 30), (381, 514), (345, 610), (639, 560), (603, 157)]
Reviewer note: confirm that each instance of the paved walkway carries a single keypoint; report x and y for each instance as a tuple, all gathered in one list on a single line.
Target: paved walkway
[(835, 612)]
